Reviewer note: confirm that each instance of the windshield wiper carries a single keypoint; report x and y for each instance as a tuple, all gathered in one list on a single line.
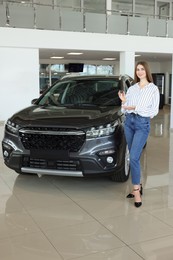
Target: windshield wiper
[(82, 105), (43, 105)]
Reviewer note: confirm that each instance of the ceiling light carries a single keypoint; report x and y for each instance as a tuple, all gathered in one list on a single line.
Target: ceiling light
[(56, 57), (137, 55), (74, 53), (109, 58)]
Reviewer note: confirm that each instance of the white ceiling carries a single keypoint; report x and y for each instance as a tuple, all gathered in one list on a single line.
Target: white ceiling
[(45, 54)]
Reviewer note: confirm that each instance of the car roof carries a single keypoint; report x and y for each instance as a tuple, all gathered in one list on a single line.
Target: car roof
[(83, 77)]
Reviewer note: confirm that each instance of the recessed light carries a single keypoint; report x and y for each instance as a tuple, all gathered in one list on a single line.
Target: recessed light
[(56, 57), (109, 58), (74, 53)]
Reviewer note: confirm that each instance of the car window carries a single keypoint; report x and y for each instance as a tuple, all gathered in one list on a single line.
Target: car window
[(107, 93), (91, 92)]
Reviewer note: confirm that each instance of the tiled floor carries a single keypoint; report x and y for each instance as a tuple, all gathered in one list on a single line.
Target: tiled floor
[(56, 218)]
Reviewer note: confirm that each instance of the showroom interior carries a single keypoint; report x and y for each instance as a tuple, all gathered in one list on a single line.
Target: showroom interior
[(56, 217)]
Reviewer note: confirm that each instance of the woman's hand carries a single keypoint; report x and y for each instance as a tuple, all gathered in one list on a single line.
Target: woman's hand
[(122, 96), (128, 107)]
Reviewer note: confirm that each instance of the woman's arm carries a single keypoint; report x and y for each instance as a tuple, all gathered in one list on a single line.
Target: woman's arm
[(128, 107), (122, 96), (155, 102)]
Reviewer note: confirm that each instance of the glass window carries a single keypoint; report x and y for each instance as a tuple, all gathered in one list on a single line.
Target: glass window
[(68, 3), (50, 73), (122, 5), (144, 7), (89, 69), (163, 9), (44, 77), (87, 92), (98, 69), (57, 67), (56, 71), (102, 69), (97, 6)]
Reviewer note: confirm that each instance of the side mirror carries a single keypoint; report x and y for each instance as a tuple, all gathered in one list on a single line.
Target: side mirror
[(34, 100)]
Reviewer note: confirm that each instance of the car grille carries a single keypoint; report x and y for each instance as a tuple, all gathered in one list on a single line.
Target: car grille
[(37, 138), (69, 165)]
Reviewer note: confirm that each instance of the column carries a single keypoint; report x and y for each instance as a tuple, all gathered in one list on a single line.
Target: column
[(108, 6), (19, 81), (167, 88), (171, 115), (127, 63)]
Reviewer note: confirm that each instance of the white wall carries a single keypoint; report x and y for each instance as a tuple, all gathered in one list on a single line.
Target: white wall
[(19, 80), (155, 67), (29, 38)]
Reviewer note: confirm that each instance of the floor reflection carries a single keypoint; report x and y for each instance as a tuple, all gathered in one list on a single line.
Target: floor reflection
[(82, 219)]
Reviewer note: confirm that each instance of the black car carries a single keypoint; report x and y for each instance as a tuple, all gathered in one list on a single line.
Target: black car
[(74, 129)]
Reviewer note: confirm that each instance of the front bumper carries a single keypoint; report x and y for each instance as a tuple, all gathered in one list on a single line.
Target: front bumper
[(39, 155), (52, 163)]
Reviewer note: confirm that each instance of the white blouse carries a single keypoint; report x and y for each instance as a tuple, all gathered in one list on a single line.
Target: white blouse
[(146, 100)]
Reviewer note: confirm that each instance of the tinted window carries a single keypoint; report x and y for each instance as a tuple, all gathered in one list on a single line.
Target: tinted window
[(95, 92)]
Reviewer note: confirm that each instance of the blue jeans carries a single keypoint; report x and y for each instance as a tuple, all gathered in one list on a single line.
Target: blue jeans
[(136, 129)]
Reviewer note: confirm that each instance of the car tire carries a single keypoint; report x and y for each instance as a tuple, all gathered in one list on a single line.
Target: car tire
[(145, 145), (22, 173), (122, 175), (18, 171)]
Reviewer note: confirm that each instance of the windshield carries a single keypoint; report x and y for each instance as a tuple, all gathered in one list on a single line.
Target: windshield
[(97, 92)]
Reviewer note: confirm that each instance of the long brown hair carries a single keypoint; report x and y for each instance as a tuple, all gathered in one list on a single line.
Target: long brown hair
[(147, 70)]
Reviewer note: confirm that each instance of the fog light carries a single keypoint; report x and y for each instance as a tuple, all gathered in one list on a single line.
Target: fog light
[(6, 154), (106, 152), (109, 159), (7, 149)]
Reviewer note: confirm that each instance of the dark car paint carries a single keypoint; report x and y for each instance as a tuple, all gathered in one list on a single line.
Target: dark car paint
[(65, 116), (87, 159)]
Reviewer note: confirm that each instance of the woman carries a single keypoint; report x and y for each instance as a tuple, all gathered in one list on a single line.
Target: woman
[(140, 104)]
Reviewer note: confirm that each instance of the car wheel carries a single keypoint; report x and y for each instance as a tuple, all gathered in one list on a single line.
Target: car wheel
[(23, 173), (145, 145), (18, 171), (122, 175)]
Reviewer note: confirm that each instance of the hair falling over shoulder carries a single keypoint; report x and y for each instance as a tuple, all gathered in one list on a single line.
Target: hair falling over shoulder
[(147, 70)]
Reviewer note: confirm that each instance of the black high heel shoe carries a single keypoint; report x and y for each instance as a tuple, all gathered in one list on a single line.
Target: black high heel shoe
[(131, 195), (137, 203)]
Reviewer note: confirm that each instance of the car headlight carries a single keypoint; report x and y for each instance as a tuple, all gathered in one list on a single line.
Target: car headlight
[(102, 130), (12, 127)]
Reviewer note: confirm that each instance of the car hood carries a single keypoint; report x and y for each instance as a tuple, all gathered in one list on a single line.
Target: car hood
[(65, 116)]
